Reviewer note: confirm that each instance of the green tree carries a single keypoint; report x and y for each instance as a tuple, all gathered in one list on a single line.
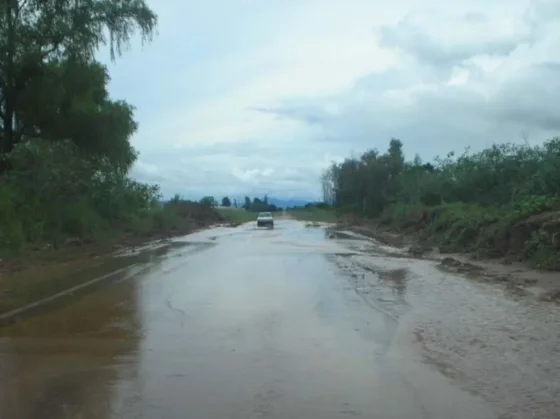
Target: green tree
[(64, 144), (69, 100), (480, 199), (34, 33), (209, 201), (226, 202)]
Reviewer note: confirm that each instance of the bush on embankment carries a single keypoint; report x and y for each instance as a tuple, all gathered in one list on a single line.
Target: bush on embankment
[(53, 197), (501, 202)]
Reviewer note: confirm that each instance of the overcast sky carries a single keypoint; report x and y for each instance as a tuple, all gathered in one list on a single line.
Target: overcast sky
[(241, 97)]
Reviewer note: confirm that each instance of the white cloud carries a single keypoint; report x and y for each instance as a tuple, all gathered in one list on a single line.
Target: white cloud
[(238, 97)]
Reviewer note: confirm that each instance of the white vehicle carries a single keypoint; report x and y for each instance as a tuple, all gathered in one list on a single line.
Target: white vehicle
[(265, 219)]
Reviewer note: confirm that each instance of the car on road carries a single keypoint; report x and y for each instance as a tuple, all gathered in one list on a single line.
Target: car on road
[(265, 219)]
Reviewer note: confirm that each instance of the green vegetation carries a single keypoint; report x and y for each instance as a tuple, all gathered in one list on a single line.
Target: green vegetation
[(236, 216), (209, 201), (314, 212), (65, 149), (501, 202)]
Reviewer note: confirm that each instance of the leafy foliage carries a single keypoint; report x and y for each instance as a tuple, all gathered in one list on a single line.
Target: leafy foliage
[(479, 202), (45, 41), (69, 100), (52, 193)]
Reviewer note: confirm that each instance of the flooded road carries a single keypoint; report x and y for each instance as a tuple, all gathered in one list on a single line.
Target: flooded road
[(284, 323)]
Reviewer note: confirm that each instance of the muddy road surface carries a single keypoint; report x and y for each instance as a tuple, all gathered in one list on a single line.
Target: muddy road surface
[(287, 323)]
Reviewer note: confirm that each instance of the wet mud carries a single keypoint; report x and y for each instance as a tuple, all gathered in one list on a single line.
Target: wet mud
[(294, 322), (487, 337)]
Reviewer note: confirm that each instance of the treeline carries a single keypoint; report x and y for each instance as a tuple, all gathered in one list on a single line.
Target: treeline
[(259, 205), (501, 201), (310, 206), (65, 147), (251, 205)]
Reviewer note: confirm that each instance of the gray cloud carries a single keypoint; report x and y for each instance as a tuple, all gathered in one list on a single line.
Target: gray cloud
[(531, 97), (542, 11), (439, 82), (417, 104), (410, 36), (231, 169)]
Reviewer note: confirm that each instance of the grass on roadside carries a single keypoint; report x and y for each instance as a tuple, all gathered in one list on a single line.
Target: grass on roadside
[(236, 216), (314, 214)]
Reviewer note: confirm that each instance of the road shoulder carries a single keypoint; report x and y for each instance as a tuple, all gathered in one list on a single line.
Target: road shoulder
[(518, 277)]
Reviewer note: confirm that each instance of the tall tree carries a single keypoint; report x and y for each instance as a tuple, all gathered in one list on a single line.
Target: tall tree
[(226, 202), (34, 33), (69, 100)]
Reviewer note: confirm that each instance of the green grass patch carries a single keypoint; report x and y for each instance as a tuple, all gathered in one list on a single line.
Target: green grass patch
[(237, 216), (314, 214)]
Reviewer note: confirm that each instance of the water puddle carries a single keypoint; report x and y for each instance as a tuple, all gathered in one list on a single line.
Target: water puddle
[(34, 293)]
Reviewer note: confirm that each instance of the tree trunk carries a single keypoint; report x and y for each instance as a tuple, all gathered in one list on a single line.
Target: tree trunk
[(8, 116), (8, 106)]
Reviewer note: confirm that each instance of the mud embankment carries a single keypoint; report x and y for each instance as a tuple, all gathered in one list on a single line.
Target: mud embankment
[(516, 276)]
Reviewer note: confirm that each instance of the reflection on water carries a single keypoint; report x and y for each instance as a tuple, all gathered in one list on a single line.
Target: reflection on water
[(268, 329), (64, 364), (67, 359)]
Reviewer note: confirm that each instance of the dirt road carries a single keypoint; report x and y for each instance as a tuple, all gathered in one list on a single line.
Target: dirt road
[(285, 323)]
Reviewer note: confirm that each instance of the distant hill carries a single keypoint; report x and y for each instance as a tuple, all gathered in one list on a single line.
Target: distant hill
[(283, 203)]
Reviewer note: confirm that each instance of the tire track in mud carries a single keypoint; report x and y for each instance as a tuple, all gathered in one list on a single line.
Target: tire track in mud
[(366, 282), (380, 290)]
